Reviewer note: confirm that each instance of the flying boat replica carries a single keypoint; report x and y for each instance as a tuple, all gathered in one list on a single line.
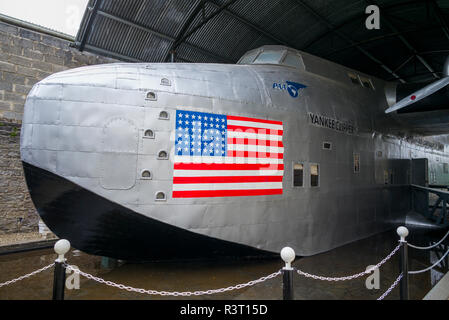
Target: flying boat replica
[(150, 161)]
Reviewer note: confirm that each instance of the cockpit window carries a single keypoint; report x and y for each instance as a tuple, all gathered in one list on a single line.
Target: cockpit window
[(293, 60), (273, 56), (269, 57), (249, 58)]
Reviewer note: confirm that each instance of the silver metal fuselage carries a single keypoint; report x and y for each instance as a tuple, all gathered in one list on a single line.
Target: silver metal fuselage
[(87, 125)]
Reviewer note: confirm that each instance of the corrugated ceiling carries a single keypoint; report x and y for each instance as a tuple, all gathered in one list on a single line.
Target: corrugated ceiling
[(411, 45)]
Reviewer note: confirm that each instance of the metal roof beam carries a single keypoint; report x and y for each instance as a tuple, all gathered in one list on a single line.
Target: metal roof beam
[(417, 75), (185, 27), (93, 13), (346, 38), (119, 56), (252, 25), (445, 51), (199, 8), (440, 18), (404, 41), (359, 16), (134, 25), (403, 64), (158, 34), (392, 34), (229, 13), (114, 55), (199, 26)]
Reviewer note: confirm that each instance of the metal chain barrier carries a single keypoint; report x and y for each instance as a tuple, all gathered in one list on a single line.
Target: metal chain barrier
[(377, 266), (287, 254), (172, 293), (429, 247), (395, 283), (26, 276), (432, 266)]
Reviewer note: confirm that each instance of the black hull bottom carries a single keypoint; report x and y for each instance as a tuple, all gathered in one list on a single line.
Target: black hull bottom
[(98, 226)]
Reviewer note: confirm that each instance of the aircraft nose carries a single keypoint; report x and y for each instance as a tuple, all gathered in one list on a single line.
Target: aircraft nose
[(97, 123), (61, 115)]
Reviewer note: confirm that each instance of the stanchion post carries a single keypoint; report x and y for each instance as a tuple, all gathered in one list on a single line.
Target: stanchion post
[(403, 263), (288, 255), (61, 248)]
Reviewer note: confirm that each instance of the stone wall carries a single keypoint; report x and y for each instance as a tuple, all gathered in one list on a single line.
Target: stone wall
[(26, 57), (17, 212)]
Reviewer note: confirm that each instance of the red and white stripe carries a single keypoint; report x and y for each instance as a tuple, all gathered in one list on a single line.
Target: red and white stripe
[(253, 165)]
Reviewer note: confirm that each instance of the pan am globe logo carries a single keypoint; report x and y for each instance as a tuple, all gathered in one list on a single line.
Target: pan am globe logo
[(293, 88)]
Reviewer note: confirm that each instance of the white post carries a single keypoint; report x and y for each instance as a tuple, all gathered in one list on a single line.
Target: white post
[(61, 248), (402, 232), (403, 263), (288, 255)]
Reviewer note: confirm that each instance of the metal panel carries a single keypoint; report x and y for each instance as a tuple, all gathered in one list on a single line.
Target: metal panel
[(119, 158)]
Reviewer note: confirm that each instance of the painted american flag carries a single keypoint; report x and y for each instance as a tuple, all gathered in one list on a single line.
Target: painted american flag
[(227, 156)]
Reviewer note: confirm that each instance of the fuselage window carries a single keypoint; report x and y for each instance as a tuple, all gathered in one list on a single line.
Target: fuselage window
[(146, 174), (162, 155), (298, 175), (327, 146), (149, 134), (354, 78), (151, 96), (165, 82), (160, 196), (269, 57), (367, 83), (314, 175), (356, 162), (164, 115)]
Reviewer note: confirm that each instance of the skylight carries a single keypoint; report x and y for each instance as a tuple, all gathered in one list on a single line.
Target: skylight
[(59, 15)]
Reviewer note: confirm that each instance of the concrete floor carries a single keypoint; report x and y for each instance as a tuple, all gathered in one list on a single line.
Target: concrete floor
[(440, 291)]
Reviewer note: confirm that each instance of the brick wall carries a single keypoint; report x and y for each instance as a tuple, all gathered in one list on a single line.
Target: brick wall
[(17, 212), (26, 57)]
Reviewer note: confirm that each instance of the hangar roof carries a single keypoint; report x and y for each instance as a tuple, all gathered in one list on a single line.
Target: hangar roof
[(410, 46)]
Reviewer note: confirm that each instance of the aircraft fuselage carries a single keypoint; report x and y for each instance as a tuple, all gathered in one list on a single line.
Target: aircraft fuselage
[(100, 149)]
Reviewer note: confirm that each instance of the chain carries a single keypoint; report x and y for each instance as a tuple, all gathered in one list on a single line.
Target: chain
[(173, 293), (221, 290), (429, 247), (26, 276), (395, 283), (377, 266), (432, 266)]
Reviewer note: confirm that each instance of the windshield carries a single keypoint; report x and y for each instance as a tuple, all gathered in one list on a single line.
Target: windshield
[(271, 57), (248, 59), (293, 60)]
